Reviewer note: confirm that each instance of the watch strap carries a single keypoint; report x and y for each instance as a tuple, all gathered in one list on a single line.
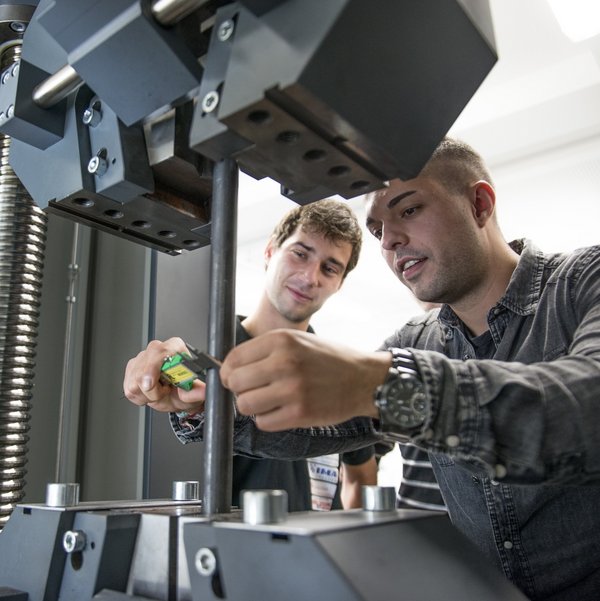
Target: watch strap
[(404, 361)]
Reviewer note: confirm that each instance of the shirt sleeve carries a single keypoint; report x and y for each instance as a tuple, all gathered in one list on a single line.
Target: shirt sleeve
[(298, 443), (359, 456)]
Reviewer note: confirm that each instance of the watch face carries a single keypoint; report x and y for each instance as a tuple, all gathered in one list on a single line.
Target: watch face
[(406, 403)]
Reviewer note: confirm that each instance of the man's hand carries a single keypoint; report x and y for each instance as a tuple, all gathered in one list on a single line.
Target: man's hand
[(290, 379), (142, 384)]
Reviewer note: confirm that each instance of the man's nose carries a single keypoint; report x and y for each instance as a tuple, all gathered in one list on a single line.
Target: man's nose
[(391, 236), (310, 273)]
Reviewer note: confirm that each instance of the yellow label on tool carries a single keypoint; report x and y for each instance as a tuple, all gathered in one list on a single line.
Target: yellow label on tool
[(178, 374)]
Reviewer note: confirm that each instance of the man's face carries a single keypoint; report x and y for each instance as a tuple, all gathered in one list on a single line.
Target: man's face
[(304, 272), (429, 238)]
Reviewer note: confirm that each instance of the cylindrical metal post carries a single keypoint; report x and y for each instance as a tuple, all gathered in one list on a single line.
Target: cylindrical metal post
[(218, 428), (264, 506), (56, 87), (169, 12), (378, 498)]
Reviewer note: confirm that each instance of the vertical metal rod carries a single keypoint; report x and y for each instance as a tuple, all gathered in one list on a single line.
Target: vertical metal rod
[(66, 398), (218, 429)]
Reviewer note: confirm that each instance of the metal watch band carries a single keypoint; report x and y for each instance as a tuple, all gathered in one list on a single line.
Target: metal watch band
[(404, 362)]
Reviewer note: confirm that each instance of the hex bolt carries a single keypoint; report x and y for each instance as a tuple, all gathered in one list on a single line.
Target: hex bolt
[(225, 30), (18, 26), (91, 116), (74, 540), (206, 562), (97, 166), (210, 101)]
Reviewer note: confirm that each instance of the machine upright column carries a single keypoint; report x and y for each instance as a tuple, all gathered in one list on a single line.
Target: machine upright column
[(218, 429)]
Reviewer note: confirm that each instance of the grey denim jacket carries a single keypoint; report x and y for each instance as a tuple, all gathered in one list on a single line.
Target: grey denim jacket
[(515, 440)]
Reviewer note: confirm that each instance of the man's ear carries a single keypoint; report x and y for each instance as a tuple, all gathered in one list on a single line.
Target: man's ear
[(269, 250), (483, 199)]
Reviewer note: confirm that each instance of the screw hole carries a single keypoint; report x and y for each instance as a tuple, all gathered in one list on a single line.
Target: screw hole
[(77, 560), (141, 224), (359, 185), (114, 214), (259, 117), (84, 202), (339, 170), (314, 155)]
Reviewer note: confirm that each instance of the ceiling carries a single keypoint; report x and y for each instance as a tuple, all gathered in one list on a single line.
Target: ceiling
[(544, 92)]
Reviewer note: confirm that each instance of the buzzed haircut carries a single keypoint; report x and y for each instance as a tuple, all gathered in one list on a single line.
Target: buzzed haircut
[(456, 165), (332, 219)]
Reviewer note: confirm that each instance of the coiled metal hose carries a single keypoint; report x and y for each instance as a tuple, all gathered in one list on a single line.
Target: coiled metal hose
[(22, 244)]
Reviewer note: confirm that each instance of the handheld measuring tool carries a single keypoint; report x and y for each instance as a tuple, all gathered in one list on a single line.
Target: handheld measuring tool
[(181, 369)]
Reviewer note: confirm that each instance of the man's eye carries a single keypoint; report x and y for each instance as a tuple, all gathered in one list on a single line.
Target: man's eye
[(376, 233), (299, 253)]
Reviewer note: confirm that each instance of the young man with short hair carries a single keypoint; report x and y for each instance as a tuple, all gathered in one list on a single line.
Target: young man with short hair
[(307, 258)]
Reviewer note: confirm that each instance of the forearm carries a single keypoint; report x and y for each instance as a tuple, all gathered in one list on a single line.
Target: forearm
[(522, 423)]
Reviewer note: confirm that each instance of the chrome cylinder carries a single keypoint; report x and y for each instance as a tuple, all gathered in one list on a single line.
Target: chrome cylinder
[(58, 86), (378, 498), (169, 12), (264, 506), (62, 494), (22, 244)]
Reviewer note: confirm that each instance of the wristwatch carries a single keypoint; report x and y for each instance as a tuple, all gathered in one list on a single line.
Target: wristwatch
[(401, 400)]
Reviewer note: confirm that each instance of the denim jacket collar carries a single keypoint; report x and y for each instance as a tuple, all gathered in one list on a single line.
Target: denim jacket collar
[(524, 288)]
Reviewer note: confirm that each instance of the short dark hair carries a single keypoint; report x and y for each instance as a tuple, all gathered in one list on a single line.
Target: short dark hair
[(456, 165), (332, 219)]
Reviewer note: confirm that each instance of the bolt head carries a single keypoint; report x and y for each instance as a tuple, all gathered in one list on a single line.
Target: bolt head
[(18, 26), (97, 166), (91, 117), (74, 540), (210, 101), (205, 561), (225, 30)]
